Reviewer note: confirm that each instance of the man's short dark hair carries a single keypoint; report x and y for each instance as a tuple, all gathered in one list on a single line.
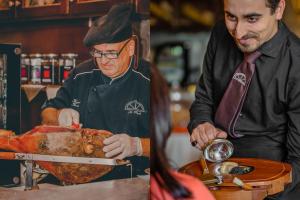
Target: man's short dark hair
[(273, 4)]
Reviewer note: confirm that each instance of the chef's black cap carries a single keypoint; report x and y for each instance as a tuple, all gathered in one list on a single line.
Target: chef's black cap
[(113, 27)]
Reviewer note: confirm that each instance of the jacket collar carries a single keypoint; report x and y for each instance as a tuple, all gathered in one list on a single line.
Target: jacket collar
[(272, 47), (109, 81)]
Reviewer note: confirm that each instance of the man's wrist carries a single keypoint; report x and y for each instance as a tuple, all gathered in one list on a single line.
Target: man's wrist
[(195, 123), (139, 147)]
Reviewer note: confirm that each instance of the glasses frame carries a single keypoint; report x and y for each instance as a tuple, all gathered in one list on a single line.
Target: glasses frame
[(104, 54)]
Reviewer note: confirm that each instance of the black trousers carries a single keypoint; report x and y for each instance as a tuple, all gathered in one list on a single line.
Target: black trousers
[(267, 148), (294, 194)]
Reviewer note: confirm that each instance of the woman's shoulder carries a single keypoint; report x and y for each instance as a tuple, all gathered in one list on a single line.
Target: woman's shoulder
[(196, 187), (186, 179)]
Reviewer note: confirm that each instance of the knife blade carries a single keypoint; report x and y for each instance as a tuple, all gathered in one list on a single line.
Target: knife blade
[(62, 159)]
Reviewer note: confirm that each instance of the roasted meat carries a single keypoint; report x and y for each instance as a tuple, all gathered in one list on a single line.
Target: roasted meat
[(62, 141)]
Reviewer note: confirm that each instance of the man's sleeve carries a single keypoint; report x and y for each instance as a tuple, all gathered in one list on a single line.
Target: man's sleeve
[(64, 95), (293, 136), (202, 108)]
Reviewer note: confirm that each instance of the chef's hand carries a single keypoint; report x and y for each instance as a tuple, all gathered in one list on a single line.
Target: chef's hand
[(204, 133), (68, 117), (120, 146)]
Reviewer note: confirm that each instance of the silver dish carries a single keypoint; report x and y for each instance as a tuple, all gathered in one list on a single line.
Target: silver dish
[(218, 150)]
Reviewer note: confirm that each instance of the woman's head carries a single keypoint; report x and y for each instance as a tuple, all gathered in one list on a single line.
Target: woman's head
[(160, 127), (160, 123)]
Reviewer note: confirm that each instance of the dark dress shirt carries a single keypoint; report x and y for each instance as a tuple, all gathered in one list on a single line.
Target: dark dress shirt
[(270, 116), (119, 105)]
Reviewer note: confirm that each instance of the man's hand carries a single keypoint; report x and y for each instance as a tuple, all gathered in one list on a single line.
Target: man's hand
[(205, 133), (50, 116), (68, 117), (120, 146)]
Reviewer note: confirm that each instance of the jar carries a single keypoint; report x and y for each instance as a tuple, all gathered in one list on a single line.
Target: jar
[(35, 62), (49, 69), (3, 62), (67, 63), (25, 68), (3, 77)]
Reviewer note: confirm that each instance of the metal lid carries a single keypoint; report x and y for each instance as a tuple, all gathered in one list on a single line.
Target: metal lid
[(69, 55), (51, 55), (218, 150), (35, 55)]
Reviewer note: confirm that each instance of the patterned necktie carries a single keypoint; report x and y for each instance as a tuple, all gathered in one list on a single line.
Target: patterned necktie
[(232, 101)]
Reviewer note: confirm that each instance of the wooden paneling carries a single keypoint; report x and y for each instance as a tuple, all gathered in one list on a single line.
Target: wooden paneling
[(79, 7), (56, 36)]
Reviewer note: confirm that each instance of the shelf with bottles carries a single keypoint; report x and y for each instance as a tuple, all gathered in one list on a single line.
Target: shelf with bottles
[(6, 11), (46, 69), (40, 3), (16, 9)]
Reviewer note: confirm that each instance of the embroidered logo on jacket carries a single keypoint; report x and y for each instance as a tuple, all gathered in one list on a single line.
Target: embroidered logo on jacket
[(75, 103), (134, 107), (240, 77)]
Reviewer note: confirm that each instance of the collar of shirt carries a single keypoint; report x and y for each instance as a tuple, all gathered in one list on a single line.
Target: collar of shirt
[(272, 47), (109, 80)]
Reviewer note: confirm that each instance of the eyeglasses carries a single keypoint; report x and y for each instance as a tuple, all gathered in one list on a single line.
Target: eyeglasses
[(110, 54)]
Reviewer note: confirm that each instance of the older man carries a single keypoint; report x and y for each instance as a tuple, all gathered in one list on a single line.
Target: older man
[(106, 92), (249, 90)]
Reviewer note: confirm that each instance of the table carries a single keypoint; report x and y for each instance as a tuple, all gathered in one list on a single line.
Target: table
[(125, 189)]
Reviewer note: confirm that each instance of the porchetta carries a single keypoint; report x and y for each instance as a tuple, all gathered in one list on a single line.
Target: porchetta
[(61, 141)]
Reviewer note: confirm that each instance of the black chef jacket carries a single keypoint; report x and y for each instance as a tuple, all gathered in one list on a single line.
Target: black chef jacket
[(119, 105), (270, 116)]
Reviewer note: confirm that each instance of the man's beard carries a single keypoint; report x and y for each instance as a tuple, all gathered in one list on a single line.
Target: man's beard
[(248, 48)]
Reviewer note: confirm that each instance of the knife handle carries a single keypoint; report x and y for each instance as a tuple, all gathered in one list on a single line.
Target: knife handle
[(7, 155), (203, 164)]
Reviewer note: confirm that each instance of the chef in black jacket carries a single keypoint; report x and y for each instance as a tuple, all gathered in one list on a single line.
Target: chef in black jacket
[(268, 123), (107, 92)]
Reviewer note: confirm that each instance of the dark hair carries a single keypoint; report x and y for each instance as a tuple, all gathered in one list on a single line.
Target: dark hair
[(160, 127), (273, 4)]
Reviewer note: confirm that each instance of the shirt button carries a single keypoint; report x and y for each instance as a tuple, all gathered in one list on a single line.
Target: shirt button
[(241, 115), (94, 89)]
